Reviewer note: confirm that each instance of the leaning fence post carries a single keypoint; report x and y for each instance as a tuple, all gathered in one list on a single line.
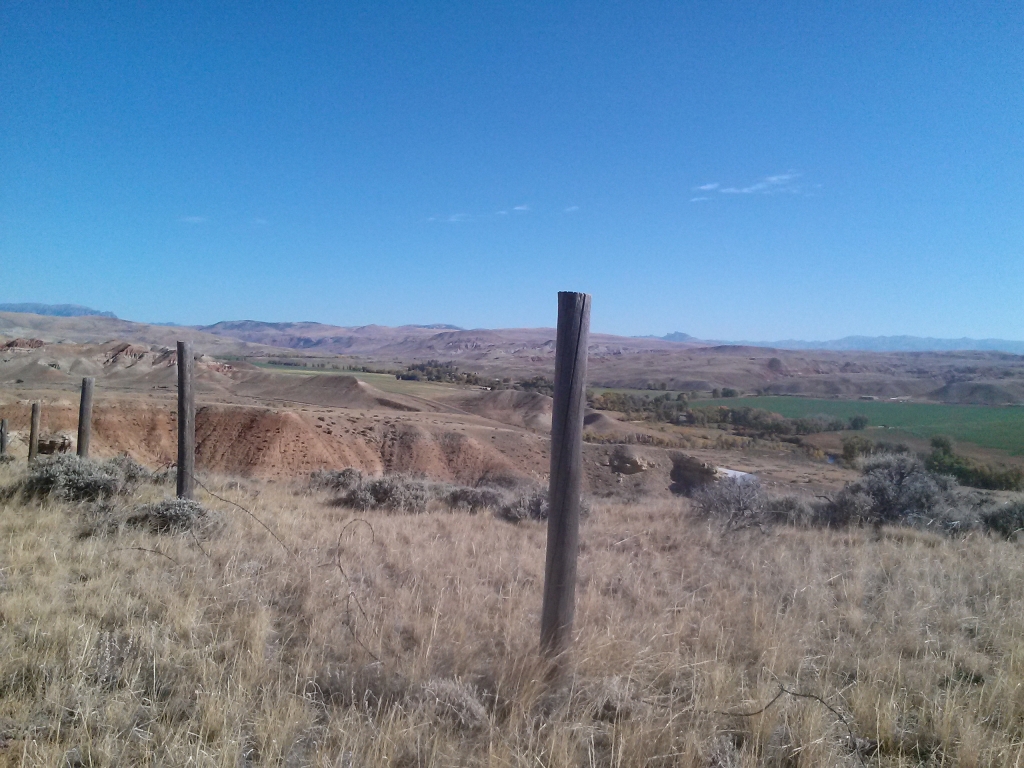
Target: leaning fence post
[(3, 437), (186, 422), (33, 433), (85, 417), (559, 605)]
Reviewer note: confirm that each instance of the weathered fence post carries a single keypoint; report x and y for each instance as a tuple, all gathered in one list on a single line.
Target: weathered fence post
[(33, 433), (186, 422), (85, 417), (559, 605), (3, 437)]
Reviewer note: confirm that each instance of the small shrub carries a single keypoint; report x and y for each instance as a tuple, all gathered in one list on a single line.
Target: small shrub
[(170, 515), (736, 501), (6, 459), (395, 493), (526, 506), (790, 510), (473, 499), (456, 701), (128, 470), (368, 688), (498, 478), (856, 446), (70, 478), (900, 487), (165, 476), (851, 506), (1005, 520), (335, 479)]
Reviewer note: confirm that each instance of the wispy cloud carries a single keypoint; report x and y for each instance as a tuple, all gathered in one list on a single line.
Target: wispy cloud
[(571, 209), (707, 187), (699, 199), (501, 213), (458, 218), (259, 221), (192, 219), (769, 185), (521, 208)]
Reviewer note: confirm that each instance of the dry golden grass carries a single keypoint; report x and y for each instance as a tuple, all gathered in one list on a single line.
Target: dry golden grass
[(246, 654)]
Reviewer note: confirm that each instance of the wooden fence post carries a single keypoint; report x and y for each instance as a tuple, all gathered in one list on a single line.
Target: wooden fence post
[(572, 338), (33, 433), (186, 422), (85, 417), (3, 437)]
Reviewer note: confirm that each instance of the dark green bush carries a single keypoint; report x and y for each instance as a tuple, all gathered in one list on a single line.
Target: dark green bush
[(944, 461)]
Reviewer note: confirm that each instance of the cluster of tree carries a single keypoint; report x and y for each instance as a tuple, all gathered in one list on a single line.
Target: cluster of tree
[(944, 461), (367, 369), (667, 408), (746, 422), (446, 371), (724, 392), (757, 422), (856, 446), (449, 373), (537, 384)]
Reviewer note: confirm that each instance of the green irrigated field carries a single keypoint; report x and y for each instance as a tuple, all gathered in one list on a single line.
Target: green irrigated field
[(987, 426)]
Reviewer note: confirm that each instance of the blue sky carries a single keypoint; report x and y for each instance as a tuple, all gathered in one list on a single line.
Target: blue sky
[(731, 170)]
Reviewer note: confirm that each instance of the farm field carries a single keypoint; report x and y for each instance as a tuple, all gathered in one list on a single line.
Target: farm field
[(386, 382), (988, 426)]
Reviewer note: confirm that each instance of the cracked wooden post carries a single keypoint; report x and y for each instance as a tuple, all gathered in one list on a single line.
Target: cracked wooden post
[(33, 434), (186, 422), (559, 605), (3, 437), (85, 417)]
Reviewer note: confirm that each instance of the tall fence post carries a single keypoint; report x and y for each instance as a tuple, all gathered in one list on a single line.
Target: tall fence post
[(33, 433), (85, 417), (572, 337), (186, 422), (3, 437)]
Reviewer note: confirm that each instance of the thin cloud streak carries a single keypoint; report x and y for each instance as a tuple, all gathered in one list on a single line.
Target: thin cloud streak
[(769, 185)]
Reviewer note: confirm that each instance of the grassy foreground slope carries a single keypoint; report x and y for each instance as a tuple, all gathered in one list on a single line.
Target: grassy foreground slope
[(411, 641), (987, 426)]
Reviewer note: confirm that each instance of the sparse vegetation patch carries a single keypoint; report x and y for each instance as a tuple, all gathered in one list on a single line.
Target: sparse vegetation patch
[(70, 478), (894, 489)]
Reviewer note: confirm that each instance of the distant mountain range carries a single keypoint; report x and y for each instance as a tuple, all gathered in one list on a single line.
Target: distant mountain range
[(305, 335), (869, 344), (56, 310)]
